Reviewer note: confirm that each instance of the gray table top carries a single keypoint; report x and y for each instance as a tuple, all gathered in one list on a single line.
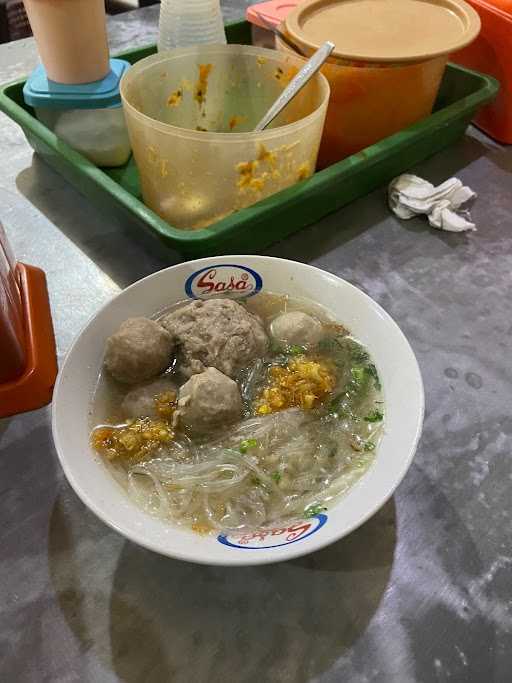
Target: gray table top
[(422, 592)]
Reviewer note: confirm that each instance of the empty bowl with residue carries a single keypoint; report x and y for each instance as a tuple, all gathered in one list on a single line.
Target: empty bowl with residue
[(190, 115)]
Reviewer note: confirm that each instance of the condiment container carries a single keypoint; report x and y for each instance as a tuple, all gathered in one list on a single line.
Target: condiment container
[(388, 63), (491, 53), (88, 116), (28, 364), (71, 37), (190, 115), (12, 335)]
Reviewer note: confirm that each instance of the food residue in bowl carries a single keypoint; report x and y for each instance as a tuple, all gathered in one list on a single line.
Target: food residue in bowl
[(164, 168), (236, 121), (175, 98), (270, 165), (201, 87), (284, 77), (247, 170), (265, 156), (304, 171), (153, 156)]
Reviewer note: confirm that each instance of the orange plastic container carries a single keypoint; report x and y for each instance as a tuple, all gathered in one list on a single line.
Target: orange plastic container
[(32, 388), (387, 66), (369, 103), (28, 365), (491, 53)]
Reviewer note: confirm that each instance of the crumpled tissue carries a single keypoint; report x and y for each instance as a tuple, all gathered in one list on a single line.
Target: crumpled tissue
[(409, 196)]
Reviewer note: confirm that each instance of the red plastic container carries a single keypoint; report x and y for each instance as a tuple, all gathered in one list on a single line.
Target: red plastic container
[(491, 53), (28, 364)]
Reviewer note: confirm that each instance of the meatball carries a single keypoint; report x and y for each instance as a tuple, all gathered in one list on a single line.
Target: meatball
[(219, 333), (139, 350), (140, 401), (296, 328), (209, 400)]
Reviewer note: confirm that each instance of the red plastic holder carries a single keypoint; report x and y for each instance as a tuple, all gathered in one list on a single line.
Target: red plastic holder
[(33, 388), (491, 53)]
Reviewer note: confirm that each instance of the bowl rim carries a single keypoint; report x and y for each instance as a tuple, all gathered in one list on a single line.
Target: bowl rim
[(200, 556), (212, 136)]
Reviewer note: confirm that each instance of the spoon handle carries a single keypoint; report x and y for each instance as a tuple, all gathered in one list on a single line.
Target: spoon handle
[(296, 84)]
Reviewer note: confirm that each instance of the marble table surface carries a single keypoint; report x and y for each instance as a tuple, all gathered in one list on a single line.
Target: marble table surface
[(421, 593)]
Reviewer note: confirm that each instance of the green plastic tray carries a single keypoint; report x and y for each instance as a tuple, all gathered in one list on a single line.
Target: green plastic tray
[(116, 191)]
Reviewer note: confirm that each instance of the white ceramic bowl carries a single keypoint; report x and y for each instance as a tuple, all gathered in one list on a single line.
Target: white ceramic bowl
[(241, 275)]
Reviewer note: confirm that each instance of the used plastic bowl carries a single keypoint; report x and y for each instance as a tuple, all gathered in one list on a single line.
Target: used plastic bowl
[(192, 178), (395, 361)]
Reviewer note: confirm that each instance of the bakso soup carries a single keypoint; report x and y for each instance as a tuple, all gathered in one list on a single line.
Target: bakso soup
[(221, 416)]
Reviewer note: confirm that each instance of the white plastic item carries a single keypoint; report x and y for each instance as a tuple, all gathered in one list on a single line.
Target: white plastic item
[(98, 134), (189, 22)]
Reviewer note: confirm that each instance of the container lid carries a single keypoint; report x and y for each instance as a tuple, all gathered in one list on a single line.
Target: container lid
[(384, 30), (40, 91), (272, 12)]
